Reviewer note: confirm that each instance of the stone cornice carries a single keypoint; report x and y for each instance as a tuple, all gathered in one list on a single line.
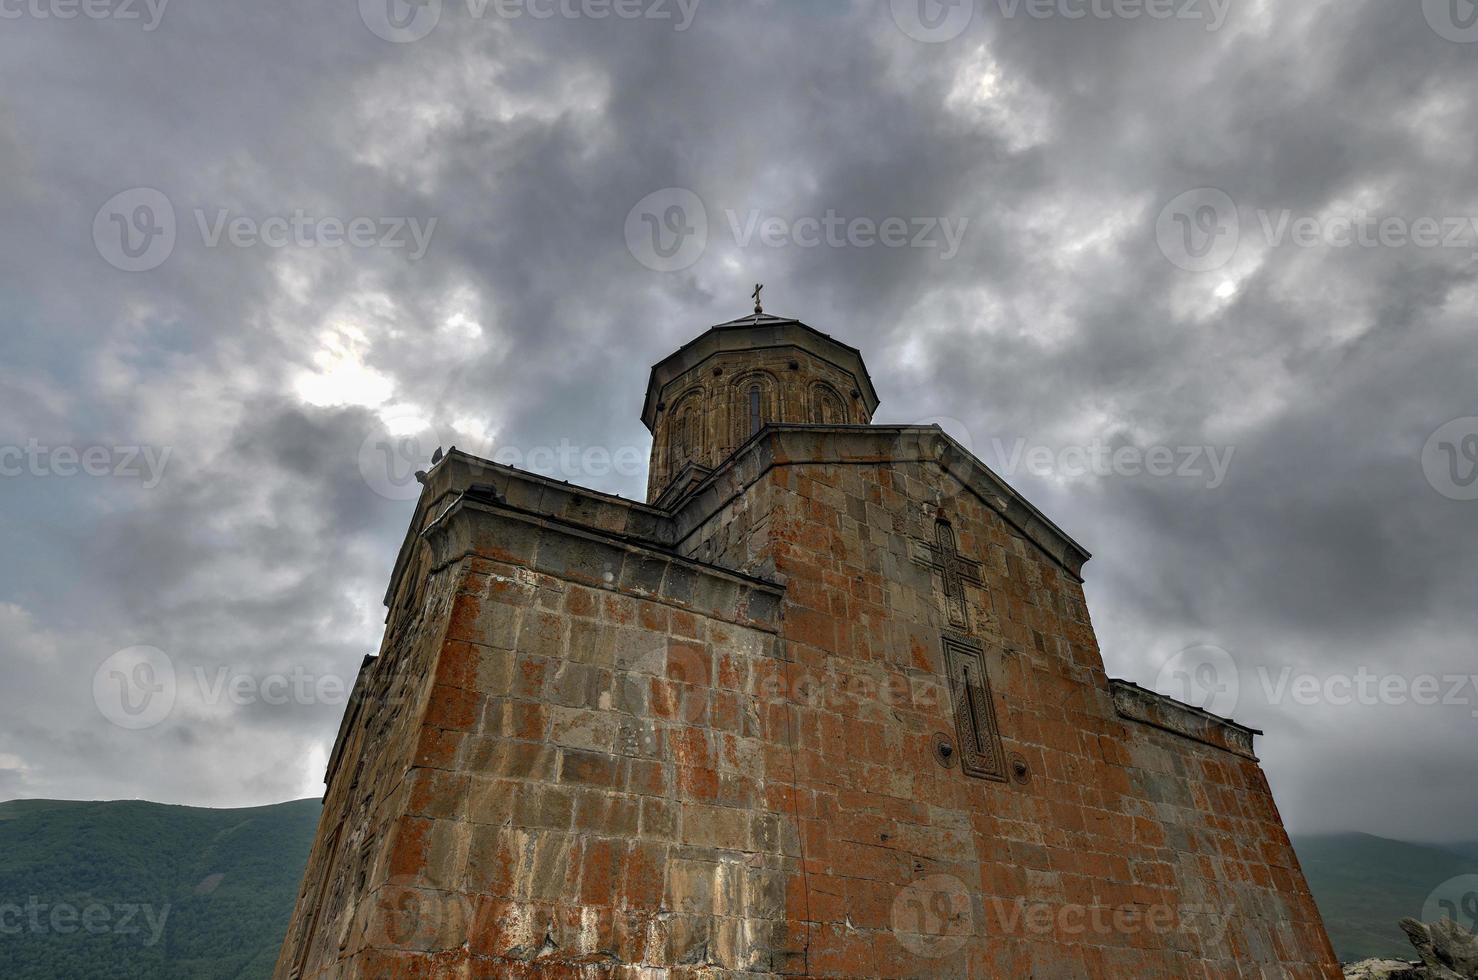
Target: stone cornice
[(841, 445), (1138, 704), (479, 525), (666, 529)]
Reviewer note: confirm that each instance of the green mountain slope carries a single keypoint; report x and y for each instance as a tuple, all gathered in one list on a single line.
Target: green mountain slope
[(1364, 885), (134, 889)]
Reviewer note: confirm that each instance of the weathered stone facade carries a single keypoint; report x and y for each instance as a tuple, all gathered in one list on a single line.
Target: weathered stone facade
[(832, 707)]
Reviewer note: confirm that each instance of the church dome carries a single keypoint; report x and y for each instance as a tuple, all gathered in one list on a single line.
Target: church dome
[(713, 394)]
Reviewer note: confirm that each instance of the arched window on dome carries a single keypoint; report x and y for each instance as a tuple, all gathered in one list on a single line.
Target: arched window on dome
[(694, 438), (752, 404), (685, 435), (827, 407)]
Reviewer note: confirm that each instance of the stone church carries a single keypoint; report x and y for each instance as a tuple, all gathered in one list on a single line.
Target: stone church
[(829, 704)]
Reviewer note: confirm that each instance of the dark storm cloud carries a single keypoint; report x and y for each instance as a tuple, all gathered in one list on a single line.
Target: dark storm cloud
[(272, 374)]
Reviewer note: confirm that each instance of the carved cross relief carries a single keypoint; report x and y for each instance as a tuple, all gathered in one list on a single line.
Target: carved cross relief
[(955, 571), (981, 753)]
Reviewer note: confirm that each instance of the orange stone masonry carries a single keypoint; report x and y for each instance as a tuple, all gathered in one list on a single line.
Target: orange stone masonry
[(722, 735)]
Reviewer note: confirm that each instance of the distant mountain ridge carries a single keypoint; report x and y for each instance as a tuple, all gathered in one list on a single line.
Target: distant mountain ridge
[(1364, 885), (186, 892), (1465, 848), (143, 890)]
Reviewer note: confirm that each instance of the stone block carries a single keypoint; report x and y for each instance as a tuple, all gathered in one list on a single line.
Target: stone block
[(546, 807), (579, 728), (607, 814), (591, 769), (658, 818)]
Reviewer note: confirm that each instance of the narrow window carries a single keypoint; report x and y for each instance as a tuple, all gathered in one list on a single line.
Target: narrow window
[(694, 443), (754, 410)]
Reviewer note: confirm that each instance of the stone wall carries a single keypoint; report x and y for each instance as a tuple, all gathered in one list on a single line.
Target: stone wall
[(1116, 849), (367, 789), (591, 782), (727, 739)]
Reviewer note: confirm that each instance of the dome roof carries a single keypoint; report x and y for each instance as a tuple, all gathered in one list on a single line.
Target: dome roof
[(758, 331)]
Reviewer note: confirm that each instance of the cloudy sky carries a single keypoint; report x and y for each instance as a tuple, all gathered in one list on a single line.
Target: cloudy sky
[(251, 259)]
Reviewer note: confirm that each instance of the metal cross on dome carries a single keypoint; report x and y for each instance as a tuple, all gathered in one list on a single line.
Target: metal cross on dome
[(759, 308)]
